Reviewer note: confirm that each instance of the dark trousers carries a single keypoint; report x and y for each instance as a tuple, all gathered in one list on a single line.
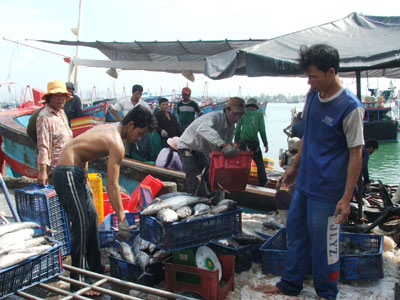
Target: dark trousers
[(76, 198), (193, 164), (258, 159)]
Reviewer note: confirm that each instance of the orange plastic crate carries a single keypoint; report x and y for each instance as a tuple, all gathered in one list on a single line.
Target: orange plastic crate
[(230, 173)]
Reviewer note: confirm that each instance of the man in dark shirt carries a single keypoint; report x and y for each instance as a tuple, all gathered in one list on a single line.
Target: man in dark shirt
[(168, 126), (73, 107)]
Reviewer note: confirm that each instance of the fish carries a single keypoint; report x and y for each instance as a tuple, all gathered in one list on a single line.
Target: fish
[(161, 255), (126, 252), (14, 237), (142, 259), (184, 212), (167, 215), (219, 209), (7, 228), (201, 209), (144, 245), (247, 239), (136, 244), (37, 249), (8, 260), (173, 203), (114, 253), (272, 225), (24, 245), (230, 203), (152, 248)]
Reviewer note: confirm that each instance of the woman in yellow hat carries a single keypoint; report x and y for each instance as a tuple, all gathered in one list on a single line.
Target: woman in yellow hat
[(52, 129)]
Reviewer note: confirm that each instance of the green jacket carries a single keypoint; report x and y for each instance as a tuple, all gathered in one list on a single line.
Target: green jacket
[(249, 125)]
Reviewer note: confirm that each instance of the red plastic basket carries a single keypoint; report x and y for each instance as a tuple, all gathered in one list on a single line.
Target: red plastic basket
[(107, 204), (155, 185), (230, 173), (209, 288)]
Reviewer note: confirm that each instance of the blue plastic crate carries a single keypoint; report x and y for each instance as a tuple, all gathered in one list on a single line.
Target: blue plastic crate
[(41, 205), (197, 232), (107, 234), (255, 249), (367, 266), (30, 272), (242, 255), (130, 272)]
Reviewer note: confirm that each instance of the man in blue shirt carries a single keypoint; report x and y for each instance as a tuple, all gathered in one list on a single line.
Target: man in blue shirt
[(327, 168)]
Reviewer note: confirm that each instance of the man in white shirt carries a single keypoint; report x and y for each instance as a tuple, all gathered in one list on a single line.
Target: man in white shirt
[(127, 104)]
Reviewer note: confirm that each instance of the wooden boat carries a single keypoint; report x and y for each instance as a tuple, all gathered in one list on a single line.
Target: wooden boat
[(20, 154)]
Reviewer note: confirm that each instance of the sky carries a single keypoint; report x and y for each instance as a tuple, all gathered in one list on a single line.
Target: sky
[(129, 20)]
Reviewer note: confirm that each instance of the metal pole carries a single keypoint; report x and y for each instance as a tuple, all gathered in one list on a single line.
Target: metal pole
[(76, 84), (9, 202), (131, 285), (359, 183)]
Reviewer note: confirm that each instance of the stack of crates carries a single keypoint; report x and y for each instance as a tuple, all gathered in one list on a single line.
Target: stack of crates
[(41, 205), (96, 184)]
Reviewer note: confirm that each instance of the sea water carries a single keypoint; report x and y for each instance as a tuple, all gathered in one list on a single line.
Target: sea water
[(384, 164)]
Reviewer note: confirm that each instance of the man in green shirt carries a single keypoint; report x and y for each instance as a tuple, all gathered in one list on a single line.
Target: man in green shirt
[(246, 136), (187, 109)]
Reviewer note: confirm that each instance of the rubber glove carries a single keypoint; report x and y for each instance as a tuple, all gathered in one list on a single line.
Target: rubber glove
[(123, 230), (229, 151), (164, 133)]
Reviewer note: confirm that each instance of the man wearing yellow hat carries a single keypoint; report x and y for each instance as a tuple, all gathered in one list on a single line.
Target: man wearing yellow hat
[(212, 131), (52, 129)]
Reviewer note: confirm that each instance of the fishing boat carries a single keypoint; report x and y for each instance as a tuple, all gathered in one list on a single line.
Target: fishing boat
[(381, 120), (19, 152)]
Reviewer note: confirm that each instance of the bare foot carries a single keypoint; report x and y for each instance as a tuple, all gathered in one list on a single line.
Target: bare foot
[(273, 289)]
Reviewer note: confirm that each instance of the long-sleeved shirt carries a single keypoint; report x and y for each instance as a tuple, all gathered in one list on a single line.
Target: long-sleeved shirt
[(175, 162), (53, 133), (73, 108), (170, 125), (249, 125), (207, 133)]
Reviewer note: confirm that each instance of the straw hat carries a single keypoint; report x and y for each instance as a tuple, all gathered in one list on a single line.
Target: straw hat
[(55, 87), (173, 142), (236, 104)]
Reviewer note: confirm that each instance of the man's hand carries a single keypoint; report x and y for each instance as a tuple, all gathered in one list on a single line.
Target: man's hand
[(266, 149), (342, 209), (229, 151), (164, 133), (123, 230)]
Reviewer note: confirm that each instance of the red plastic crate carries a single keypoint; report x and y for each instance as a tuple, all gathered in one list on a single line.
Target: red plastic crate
[(209, 287), (230, 173), (155, 185), (107, 204)]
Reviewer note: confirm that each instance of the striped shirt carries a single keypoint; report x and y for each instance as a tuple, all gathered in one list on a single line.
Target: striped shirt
[(53, 133)]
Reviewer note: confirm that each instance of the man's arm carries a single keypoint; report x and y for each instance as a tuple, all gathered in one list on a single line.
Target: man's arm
[(115, 114), (290, 175), (353, 172), (114, 194)]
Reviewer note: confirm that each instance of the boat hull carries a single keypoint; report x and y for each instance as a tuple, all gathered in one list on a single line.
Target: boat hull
[(20, 153), (383, 130)]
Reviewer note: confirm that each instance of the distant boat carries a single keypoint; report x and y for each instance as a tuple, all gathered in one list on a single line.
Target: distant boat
[(381, 120), (292, 101)]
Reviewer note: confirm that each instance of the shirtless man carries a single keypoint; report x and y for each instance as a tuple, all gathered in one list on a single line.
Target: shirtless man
[(72, 187)]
